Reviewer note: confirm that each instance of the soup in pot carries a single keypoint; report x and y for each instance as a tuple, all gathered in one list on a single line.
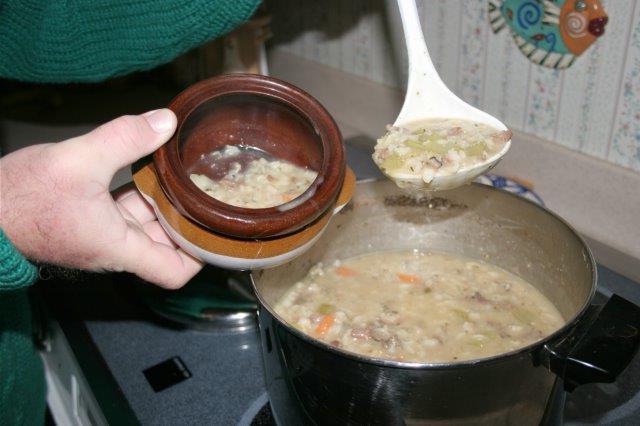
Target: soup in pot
[(418, 306)]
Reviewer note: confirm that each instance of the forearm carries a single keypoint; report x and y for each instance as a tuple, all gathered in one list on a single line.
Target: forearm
[(25, 205)]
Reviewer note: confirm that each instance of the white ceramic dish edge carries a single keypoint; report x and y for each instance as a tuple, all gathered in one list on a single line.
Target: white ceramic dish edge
[(228, 262)]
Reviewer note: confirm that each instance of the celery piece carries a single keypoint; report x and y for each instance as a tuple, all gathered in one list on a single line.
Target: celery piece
[(476, 342), (490, 334), (415, 144), (462, 315), (523, 315), (326, 308), (430, 138), (392, 162), (437, 147), (475, 150)]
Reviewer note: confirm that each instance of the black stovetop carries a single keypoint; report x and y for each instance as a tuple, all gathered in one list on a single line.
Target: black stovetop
[(115, 337)]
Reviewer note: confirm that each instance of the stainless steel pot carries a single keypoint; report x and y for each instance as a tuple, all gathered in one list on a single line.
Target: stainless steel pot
[(310, 382)]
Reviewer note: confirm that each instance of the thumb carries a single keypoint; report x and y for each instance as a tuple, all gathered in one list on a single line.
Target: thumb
[(121, 142)]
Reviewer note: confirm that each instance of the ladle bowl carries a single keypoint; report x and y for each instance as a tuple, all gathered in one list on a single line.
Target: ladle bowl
[(428, 97)]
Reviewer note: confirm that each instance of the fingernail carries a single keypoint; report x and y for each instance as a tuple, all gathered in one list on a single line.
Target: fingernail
[(160, 120)]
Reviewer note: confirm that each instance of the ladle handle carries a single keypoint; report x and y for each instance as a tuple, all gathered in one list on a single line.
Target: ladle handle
[(423, 79), (417, 52), (601, 346)]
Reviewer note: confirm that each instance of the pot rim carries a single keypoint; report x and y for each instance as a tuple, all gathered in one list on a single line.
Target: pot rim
[(382, 362), (243, 222)]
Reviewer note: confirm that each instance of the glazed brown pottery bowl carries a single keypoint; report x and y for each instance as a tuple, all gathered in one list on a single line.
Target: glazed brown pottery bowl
[(260, 112)]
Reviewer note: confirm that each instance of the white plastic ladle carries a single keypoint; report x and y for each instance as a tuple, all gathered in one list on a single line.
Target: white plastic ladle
[(428, 97)]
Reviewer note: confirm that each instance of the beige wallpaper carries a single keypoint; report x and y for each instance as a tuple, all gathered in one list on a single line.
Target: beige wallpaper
[(592, 107)]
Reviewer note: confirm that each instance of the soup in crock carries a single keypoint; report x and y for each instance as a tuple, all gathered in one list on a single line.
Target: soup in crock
[(261, 182)]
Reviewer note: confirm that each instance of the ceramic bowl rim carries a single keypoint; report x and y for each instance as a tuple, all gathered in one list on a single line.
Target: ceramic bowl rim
[(243, 222)]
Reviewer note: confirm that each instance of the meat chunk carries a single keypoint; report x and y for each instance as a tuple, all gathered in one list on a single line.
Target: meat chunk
[(502, 137), (478, 297), (361, 333), (454, 131), (380, 334)]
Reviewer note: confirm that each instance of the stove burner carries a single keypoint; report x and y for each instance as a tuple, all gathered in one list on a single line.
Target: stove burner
[(215, 299), (264, 417)]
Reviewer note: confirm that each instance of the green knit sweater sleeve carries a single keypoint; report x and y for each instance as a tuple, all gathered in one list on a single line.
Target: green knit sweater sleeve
[(15, 271), (22, 387), (92, 40)]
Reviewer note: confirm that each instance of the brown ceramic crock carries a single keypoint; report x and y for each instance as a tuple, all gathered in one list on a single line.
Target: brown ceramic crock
[(261, 112)]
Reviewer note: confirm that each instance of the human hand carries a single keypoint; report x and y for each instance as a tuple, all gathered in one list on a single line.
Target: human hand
[(56, 207)]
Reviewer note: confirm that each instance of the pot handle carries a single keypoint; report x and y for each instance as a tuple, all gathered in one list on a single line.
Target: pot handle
[(599, 348)]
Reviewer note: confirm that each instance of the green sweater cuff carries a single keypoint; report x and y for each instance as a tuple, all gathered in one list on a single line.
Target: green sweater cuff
[(15, 271)]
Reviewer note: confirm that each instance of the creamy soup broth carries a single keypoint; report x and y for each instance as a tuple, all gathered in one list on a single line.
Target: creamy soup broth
[(419, 307), (437, 147), (259, 183)]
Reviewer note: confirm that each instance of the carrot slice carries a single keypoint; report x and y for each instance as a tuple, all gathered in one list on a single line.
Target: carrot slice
[(325, 324), (409, 278), (346, 272)]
